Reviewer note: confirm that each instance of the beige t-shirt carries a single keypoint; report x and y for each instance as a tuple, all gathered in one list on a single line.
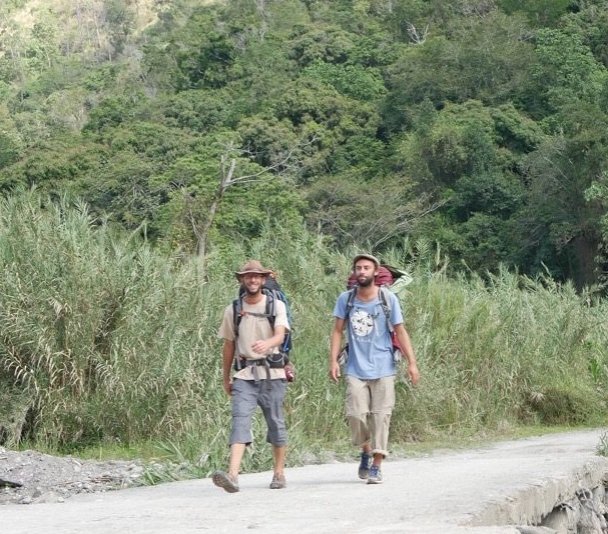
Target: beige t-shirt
[(251, 329)]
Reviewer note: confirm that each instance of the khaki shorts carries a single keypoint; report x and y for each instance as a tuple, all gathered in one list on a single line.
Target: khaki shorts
[(369, 406)]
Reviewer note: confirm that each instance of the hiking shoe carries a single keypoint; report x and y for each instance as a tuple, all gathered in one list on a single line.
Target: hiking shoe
[(278, 482), (375, 475), (366, 460), (225, 481)]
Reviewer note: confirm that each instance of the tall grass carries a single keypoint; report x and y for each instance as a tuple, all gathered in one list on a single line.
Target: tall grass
[(505, 351), (103, 340)]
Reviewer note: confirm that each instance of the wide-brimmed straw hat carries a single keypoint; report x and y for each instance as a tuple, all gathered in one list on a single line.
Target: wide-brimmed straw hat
[(366, 257), (253, 267)]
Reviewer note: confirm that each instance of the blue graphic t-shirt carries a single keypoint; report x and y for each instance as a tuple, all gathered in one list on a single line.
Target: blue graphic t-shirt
[(370, 351)]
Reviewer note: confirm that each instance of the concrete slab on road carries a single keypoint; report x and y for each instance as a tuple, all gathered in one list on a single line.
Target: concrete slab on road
[(487, 490)]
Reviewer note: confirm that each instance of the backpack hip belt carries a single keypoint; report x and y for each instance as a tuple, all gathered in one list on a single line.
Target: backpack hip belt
[(272, 361)]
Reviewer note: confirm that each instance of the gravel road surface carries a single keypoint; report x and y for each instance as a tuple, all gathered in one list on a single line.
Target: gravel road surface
[(487, 490)]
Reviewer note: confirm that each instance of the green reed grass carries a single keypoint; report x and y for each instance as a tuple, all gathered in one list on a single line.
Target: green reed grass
[(105, 342)]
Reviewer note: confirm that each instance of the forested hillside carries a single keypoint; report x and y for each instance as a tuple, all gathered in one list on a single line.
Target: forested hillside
[(478, 125)]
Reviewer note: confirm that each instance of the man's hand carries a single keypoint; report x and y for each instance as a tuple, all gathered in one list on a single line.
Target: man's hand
[(413, 373), (262, 347), (334, 371), (228, 386)]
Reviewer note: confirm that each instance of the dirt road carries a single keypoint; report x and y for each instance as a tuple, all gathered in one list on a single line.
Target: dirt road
[(508, 483)]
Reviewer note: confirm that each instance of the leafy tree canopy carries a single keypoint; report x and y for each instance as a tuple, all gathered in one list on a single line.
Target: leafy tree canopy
[(463, 118)]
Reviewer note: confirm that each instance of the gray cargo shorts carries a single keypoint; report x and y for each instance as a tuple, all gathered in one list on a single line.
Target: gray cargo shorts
[(269, 395)]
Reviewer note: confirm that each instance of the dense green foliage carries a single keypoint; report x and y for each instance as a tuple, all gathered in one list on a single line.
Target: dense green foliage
[(106, 341), (478, 125)]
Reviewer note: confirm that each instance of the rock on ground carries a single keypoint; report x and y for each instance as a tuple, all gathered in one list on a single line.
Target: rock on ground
[(28, 477)]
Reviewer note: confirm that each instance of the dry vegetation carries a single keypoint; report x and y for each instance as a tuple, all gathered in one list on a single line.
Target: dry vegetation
[(79, 26), (73, 11)]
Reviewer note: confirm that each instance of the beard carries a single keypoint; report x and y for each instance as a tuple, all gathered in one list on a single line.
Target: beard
[(250, 293), (365, 282)]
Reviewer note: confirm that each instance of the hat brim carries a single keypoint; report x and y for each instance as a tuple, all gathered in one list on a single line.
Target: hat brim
[(369, 257), (253, 271)]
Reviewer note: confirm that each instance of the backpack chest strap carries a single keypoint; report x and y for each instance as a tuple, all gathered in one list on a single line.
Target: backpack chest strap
[(242, 313)]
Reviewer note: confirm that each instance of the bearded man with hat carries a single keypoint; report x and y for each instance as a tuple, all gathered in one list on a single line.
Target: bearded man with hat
[(254, 383), (371, 367)]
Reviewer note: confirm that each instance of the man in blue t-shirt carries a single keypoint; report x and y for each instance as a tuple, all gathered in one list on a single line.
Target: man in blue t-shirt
[(370, 369)]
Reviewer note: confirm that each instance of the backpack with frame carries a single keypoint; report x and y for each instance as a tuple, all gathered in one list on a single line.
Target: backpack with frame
[(273, 292), (389, 279)]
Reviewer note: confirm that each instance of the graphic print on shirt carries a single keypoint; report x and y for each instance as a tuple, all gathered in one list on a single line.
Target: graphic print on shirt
[(362, 323)]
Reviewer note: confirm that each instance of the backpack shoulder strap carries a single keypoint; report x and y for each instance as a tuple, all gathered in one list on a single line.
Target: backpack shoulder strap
[(350, 302), (271, 305), (385, 302), (237, 314), (270, 310)]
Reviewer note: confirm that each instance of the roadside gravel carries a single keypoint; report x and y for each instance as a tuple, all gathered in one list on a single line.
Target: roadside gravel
[(28, 477)]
